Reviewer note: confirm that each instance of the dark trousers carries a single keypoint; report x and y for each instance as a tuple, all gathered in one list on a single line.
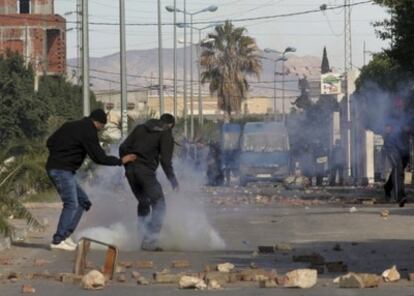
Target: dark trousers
[(74, 199), (151, 203), (338, 168), (394, 186)]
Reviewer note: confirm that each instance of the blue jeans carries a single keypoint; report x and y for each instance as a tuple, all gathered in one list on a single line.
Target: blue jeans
[(74, 199)]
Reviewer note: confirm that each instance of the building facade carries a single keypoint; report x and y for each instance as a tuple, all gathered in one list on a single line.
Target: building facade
[(31, 28)]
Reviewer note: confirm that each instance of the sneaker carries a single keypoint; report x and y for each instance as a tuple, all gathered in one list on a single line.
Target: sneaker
[(70, 242), (402, 202), (62, 246)]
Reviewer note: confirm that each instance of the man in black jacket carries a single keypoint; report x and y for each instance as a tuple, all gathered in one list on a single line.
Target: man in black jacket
[(68, 147), (153, 143)]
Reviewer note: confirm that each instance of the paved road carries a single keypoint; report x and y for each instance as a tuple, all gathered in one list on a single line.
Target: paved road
[(369, 243)]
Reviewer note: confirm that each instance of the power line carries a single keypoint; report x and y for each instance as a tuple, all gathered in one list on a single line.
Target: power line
[(268, 17)]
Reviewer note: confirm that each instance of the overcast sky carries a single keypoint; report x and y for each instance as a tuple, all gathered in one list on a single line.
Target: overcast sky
[(308, 33)]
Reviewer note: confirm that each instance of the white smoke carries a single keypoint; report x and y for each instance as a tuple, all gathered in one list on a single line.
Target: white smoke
[(113, 216)]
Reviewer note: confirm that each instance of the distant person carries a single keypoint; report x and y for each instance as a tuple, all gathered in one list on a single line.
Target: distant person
[(214, 173), (397, 150), (68, 147), (337, 161), (153, 143)]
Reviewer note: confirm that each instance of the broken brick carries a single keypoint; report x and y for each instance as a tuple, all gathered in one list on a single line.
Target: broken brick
[(142, 281), (268, 284), (266, 249), (221, 277), (301, 278), (144, 264), (126, 264), (225, 267), (313, 258), (166, 278), (254, 275), (135, 275), (337, 266), (121, 278), (180, 264), (28, 289)]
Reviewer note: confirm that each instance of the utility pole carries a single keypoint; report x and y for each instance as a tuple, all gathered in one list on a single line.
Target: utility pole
[(191, 81), (185, 70), (347, 68), (85, 59), (175, 59), (79, 40), (160, 62), (124, 93)]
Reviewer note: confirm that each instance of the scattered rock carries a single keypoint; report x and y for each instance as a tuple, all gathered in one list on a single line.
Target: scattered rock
[(213, 285), (126, 264), (135, 275), (28, 289), (68, 278), (180, 264), (385, 214), (255, 275), (145, 264), (391, 275), (121, 278), (190, 282), (353, 210), (142, 281), (220, 277), (268, 284), (13, 276), (6, 261), (301, 278), (313, 258), (225, 267), (337, 266), (93, 280), (358, 280), (411, 277), (266, 249), (166, 278), (283, 247)]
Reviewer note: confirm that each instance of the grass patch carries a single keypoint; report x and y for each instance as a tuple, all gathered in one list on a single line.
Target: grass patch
[(46, 196)]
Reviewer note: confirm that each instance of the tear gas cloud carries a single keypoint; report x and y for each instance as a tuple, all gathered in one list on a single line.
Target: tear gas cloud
[(113, 216)]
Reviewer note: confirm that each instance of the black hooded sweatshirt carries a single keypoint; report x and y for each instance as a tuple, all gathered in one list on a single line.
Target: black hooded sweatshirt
[(70, 144), (153, 144)]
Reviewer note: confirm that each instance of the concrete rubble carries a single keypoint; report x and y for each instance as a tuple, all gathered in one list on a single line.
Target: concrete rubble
[(358, 280), (93, 280), (301, 278), (142, 281), (225, 267), (391, 275), (144, 264), (191, 282)]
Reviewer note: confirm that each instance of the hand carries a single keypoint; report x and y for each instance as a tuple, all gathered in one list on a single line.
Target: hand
[(128, 158)]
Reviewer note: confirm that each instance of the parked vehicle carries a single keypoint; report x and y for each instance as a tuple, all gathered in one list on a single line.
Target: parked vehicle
[(264, 154)]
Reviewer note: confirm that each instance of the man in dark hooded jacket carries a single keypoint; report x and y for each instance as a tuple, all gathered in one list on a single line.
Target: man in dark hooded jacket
[(153, 143)]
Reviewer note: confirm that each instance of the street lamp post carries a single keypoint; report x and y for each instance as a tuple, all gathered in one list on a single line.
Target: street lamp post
[(283, 59), (210, 8)]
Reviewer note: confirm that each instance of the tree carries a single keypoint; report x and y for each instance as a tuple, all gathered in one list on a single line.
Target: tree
[(399, 30), (325, 68), (227, 63), (22, 113)]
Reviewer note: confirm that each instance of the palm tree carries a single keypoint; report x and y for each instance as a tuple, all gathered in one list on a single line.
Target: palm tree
[(15, 173), (226, 64)]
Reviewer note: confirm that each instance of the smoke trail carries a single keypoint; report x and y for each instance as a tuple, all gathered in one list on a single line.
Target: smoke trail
[(113, 217)]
